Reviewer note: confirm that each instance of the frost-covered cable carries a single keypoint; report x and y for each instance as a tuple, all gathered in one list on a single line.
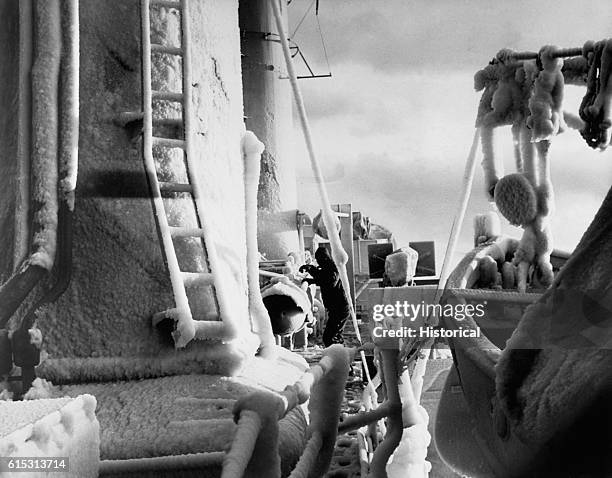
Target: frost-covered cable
[(339, 256), (468, 180)]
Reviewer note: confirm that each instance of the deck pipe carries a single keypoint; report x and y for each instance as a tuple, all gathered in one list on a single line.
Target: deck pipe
[(23, 281), (260, 319), (56, 63)]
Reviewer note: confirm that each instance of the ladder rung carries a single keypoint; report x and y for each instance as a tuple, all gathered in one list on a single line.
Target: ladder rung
[(166, 3), (175, 187), (167, 96), (186, 232), (168, 142), (128, 116), (170, 50), (168, 121), (197, 278)]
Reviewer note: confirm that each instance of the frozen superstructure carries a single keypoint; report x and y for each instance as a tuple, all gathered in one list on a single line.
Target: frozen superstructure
[(110, 275)]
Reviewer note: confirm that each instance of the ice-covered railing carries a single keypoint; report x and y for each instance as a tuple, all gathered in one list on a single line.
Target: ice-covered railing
[(403, 421), (255, 449), (560, 53)]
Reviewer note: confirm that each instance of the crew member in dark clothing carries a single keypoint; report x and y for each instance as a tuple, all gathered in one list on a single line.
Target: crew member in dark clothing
[(326, 276)]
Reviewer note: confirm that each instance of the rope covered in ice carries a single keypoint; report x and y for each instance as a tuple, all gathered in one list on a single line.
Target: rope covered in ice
[(237, 459), (339, 256), (466, 189), (308, 458)]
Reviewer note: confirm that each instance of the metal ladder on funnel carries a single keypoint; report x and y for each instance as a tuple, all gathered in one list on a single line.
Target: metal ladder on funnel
[(186, 327)]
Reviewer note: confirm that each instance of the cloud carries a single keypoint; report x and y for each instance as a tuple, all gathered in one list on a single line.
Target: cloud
[(363, 110), (327, 102), (444, 35), (394, 124), (417, 197)]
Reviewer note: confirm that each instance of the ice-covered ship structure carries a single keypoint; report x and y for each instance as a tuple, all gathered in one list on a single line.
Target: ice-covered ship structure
[(129, 277), (531, 395)]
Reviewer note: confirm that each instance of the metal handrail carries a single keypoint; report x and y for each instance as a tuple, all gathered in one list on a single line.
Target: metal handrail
[(237, 458), (253, 420)]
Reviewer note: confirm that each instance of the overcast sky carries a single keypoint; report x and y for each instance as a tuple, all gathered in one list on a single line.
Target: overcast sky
[(394, 124)]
